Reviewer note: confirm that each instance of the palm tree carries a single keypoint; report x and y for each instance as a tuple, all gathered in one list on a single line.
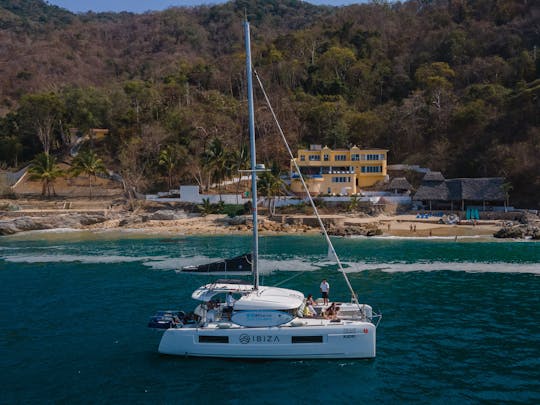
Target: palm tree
[(270, 185), (215, 160), (506, 188), (88, 163), (45, 169), (169, 158), (238, 160)]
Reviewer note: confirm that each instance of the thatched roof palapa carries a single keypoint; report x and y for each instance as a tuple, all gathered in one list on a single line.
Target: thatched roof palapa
[(433, 191), (471, 189), (477, 189), (399, 183), (433, 176)]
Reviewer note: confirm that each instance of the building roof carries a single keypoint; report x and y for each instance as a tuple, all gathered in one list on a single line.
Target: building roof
[(433, 191), (473, 189), (477, 189), (399, 183), (433, 176)]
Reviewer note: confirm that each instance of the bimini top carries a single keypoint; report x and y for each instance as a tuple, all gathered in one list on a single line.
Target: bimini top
[(265, 298), (206, 292), (270, 298)]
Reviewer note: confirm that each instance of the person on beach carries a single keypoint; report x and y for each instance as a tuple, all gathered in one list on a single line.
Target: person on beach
[(325, 289)]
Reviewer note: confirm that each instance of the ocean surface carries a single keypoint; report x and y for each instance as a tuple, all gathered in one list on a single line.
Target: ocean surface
[(461, 321)]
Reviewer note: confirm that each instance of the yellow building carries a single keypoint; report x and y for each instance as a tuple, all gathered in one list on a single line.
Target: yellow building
[(338, 171)]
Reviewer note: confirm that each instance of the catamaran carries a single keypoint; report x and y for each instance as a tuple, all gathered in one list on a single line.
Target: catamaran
[(239, 319)]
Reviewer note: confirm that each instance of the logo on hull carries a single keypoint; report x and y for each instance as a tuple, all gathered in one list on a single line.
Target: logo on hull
[(244, 339)]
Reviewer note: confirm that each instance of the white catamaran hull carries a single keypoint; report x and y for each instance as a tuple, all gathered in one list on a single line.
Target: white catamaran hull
[(346, 339)]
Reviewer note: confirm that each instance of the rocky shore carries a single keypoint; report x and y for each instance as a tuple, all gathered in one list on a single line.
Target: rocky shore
[(155, 219)]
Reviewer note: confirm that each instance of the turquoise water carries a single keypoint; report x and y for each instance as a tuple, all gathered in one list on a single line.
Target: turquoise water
[(460, 323)]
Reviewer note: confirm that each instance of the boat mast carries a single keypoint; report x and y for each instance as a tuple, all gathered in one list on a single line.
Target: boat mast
[(255, 253)]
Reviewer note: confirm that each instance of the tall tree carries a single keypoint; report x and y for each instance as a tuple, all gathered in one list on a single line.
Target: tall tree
[(270, 185), (88, 163), (215, 158), (170, 158), (45, 169), (42, 112)]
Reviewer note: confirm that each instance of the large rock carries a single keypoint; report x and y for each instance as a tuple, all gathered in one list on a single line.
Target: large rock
[(132, 220), (238, 220), (92, 219), (166, 215), (23, 224), (514, 232), (534, 233)]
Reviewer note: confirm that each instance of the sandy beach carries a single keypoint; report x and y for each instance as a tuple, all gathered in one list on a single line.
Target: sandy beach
[(99, 215), (102, 214)]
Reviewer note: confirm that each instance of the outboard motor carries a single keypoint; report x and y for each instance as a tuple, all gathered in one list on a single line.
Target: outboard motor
[(166, 320)]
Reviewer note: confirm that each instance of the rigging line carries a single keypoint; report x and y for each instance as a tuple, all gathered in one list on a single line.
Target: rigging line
[(289, 279), (328, 241)]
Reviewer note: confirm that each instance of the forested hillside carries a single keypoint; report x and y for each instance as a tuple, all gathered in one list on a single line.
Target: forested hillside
[(450, 84)]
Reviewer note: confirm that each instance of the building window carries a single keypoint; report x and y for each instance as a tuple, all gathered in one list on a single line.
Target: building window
[(355, 157), (326, 158), (302, 158), (314, 157), (340, 157), (371, 169), (373, 156), (341, 179)]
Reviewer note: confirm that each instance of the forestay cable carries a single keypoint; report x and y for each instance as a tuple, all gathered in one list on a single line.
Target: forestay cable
[(325, 233)]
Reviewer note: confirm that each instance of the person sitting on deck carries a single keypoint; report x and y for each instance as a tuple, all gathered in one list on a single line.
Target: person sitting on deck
[(331, 311), (306, 312), (309, 304)]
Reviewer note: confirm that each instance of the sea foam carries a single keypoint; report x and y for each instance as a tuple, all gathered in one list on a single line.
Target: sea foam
[(66, 258), (269, 265)]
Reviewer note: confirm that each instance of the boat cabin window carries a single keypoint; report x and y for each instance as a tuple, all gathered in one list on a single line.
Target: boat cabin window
[(213, 339), (307, 339)]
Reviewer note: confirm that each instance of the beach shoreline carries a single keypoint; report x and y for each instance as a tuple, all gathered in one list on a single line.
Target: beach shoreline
[(165, 219)]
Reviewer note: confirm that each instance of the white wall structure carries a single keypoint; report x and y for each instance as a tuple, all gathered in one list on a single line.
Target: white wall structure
[(190, 194)]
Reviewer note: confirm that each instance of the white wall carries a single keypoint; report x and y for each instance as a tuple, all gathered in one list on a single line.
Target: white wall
[(191, 194)]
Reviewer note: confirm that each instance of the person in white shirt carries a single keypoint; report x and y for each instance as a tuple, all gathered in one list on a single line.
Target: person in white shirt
[(229, 303), (325, 290), (230, 300)]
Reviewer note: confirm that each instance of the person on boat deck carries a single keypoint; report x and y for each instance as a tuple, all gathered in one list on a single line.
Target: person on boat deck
[(309, 304), (306, 311), (210, 312), (230, 300), (331, 311), (325, 289), (229, 303)]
